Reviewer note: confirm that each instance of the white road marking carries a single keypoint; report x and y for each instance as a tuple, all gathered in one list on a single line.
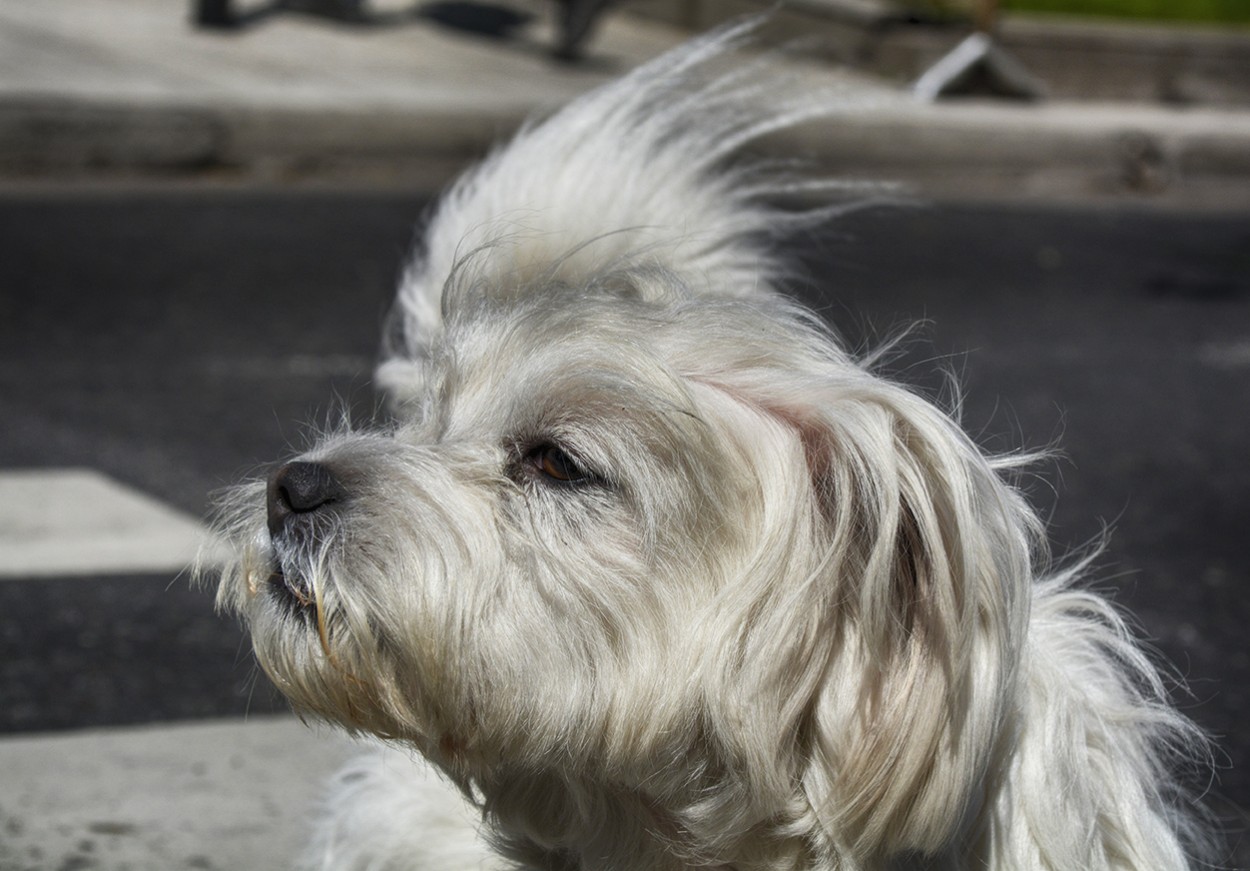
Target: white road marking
[(57, 522), (291, 366), (1226, 355)]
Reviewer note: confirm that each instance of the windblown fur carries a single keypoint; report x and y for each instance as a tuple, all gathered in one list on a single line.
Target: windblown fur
[(659, 576)]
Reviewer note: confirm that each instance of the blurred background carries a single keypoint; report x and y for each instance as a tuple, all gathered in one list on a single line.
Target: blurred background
[(204, 208)]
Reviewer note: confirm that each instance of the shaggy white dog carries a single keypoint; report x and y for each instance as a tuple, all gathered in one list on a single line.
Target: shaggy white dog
[(659, 576)]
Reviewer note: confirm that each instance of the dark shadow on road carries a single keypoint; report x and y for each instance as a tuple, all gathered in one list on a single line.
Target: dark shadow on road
[(575, 20)]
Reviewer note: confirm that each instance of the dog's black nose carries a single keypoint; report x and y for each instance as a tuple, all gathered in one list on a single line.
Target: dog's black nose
[(300, 488)]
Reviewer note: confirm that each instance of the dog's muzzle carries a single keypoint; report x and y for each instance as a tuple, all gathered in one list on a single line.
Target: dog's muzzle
[(299, 495)]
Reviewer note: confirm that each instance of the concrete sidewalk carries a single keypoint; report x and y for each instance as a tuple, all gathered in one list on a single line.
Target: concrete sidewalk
[(228, 795), (128, 91), (90, 89)]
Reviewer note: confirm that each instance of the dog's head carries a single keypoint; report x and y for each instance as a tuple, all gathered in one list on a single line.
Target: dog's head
[(685, 546)]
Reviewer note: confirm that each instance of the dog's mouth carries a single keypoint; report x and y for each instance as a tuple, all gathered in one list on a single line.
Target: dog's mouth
[(290, 589)]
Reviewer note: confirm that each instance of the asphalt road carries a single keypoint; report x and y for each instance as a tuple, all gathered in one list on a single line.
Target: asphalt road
[(177, 341)]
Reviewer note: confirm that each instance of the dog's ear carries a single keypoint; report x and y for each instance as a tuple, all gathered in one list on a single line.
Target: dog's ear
[(889, 658), (929, 557)]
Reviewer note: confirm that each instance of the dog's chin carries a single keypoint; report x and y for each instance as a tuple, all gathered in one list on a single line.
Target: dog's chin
[(288, 601), (290, 639), (277, 600)]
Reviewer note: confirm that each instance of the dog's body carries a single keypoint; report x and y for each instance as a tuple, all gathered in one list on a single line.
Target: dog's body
[(659, 576)]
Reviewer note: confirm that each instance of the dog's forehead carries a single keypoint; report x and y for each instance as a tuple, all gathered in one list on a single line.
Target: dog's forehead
[(506, 343), (549, 357)]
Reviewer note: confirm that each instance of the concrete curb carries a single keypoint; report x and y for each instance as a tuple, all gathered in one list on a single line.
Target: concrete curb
[(1051, 151), (74, 139), (1061, 152)]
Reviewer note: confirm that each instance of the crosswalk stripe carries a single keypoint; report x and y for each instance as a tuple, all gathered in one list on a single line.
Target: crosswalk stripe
[(59, 522)]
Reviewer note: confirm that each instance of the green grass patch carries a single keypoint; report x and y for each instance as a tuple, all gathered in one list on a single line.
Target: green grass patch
[(1216, 11), (1204, 11)]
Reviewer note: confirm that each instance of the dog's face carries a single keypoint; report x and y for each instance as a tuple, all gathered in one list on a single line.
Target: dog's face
[(680, 544)]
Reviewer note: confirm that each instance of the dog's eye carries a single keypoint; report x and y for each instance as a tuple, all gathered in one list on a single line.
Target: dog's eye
[(554, 463)]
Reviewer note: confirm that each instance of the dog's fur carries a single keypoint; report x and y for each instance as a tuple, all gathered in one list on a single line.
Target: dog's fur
[(660, 576)]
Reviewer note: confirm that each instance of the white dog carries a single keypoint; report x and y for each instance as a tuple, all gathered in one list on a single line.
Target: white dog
[(661, 577)]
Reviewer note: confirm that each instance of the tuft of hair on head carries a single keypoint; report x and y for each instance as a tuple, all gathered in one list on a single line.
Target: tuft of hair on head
[(652, 167)]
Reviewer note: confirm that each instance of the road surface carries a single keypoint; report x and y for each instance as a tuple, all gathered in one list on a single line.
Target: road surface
[(168, 343)]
